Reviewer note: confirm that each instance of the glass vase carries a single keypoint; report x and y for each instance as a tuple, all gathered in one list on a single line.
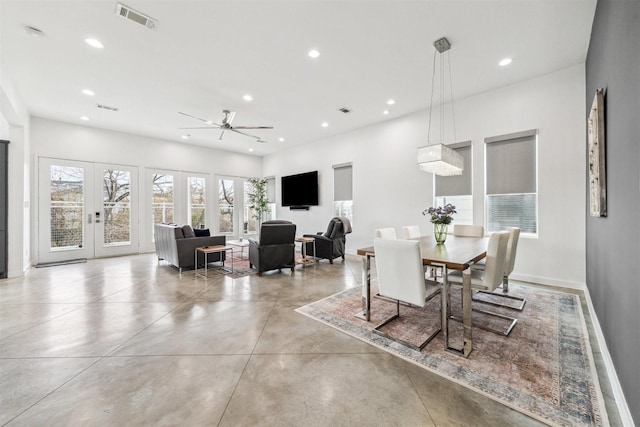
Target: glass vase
[(440, 232)]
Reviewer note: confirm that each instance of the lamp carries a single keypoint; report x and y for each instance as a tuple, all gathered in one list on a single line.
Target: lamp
[(438, 158)]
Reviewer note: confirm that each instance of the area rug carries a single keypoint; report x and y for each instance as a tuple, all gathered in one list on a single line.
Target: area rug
[(544, 368)]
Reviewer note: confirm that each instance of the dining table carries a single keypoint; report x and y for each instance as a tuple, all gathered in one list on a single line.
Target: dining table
[(456, 253)]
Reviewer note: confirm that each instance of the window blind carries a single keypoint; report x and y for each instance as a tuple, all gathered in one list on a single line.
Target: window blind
[(457, 185), (342, 182), (511, 163), (271, 190)]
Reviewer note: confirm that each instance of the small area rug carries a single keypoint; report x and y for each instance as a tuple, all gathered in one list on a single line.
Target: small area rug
[(544, 368)]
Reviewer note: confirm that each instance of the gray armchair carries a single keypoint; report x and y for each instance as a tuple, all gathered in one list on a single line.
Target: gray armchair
[(276, 247), (331, 243)]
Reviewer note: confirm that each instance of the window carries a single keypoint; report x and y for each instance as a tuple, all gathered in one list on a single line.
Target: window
[(457, 189), (511, 182), (197, 202), (249, 219), (343, 191), (161, 199), (225, 206)]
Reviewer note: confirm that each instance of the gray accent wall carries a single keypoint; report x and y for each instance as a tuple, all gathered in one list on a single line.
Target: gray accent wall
[(613, 242)]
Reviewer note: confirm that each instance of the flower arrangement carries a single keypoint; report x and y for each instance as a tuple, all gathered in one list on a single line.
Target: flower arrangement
[(441, 214)]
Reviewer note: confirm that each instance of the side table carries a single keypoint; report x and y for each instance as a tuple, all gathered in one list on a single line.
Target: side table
[(304, 240), (206, 250), (244, 243)]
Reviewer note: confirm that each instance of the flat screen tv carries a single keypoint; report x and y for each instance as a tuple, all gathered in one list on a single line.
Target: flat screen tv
[(300, 189)]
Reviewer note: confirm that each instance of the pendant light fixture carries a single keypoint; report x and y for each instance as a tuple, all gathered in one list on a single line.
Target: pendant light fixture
[(438, 158)]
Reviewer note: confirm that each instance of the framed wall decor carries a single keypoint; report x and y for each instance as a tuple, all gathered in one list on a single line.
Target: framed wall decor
[(596, 151)]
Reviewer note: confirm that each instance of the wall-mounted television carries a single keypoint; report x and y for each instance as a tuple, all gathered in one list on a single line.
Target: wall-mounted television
[(300, 189)]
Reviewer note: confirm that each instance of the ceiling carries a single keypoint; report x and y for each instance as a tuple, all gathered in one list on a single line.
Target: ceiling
[(205, 55)]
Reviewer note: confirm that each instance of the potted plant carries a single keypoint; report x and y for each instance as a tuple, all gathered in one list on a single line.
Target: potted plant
[(257, 199)]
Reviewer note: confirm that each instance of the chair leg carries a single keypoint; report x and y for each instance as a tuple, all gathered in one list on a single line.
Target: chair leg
[(377, 330), (505, 289)]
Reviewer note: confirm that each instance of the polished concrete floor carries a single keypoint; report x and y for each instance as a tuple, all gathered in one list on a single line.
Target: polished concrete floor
[(126, 341)]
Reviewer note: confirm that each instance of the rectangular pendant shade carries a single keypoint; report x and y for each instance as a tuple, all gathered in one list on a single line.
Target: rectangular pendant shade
[(440, 160)]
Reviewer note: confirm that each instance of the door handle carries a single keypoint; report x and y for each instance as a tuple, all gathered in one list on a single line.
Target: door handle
[(97, 217), (90, 218)]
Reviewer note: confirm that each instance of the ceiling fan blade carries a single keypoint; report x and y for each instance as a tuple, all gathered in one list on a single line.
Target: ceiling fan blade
[(203, 127), (253, 127), (244, 133), (221, 134), (198, 118), (230, 115)]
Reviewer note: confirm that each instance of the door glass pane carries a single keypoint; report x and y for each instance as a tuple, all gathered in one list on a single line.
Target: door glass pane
[(250, 222), (117, 207), (161, 199), (197, 202), (225, 204), (67, 207)]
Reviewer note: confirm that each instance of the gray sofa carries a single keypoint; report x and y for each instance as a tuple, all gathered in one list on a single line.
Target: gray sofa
[(176, 244)]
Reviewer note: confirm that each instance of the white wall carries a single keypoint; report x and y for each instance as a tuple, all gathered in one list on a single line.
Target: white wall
[(14, 119), (66, 141), (390, 191)]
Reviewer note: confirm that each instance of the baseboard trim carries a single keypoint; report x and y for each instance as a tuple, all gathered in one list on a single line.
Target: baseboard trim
[(549, 281), (618, 394)]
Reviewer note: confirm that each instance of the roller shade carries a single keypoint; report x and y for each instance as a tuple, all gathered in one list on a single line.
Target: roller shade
[(511, 163), (457, 185), (342, 183)]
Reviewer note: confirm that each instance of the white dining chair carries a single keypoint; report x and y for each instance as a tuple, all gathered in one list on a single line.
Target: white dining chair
[(401, 278), (468, 230), (411, 231), (489, 279), (512, 247), (386, 233)]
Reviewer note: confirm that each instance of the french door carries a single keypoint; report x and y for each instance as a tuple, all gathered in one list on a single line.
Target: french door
[(86, 210)]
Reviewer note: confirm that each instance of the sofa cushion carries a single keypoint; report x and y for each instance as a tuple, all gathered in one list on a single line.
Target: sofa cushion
[(188, 231), (201, 232), (178, 232)]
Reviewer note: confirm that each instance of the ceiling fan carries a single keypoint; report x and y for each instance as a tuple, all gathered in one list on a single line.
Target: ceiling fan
[(227, 118)]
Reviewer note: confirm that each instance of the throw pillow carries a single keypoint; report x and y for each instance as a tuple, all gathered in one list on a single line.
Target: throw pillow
[(200, 232), (188, 231)]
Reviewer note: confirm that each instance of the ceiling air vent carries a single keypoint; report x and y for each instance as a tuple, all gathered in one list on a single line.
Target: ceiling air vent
[(106, 107), (344, 110), (127, 12)]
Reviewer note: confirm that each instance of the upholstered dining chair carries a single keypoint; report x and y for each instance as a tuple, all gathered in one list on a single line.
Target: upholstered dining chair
[(489, 279), (512, 247), (401, 278), (386, 233), (411, 231), (468, 230)]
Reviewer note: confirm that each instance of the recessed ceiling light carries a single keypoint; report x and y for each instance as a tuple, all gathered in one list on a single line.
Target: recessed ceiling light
[(88, 92), (385, 112), (281, 139), (391, 101), (209, 122), (247, 97), (85, 118), (505, 61), (185, 136), (313, 53), (325, 124), (94, 43), (33, 31), (251, 150)]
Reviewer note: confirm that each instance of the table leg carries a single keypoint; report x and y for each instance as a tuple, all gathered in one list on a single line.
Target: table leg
[(467, 346), (365, 314)]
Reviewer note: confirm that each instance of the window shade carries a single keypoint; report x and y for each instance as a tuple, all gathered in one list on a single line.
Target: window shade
[(342, 183), (511, 164), (457, 185), (271, 190)]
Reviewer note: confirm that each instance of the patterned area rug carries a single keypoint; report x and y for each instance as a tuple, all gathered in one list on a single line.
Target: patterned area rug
[(544, 368)]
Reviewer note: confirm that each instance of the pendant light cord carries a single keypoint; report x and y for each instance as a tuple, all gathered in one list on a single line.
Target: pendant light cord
[(433, 78)]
